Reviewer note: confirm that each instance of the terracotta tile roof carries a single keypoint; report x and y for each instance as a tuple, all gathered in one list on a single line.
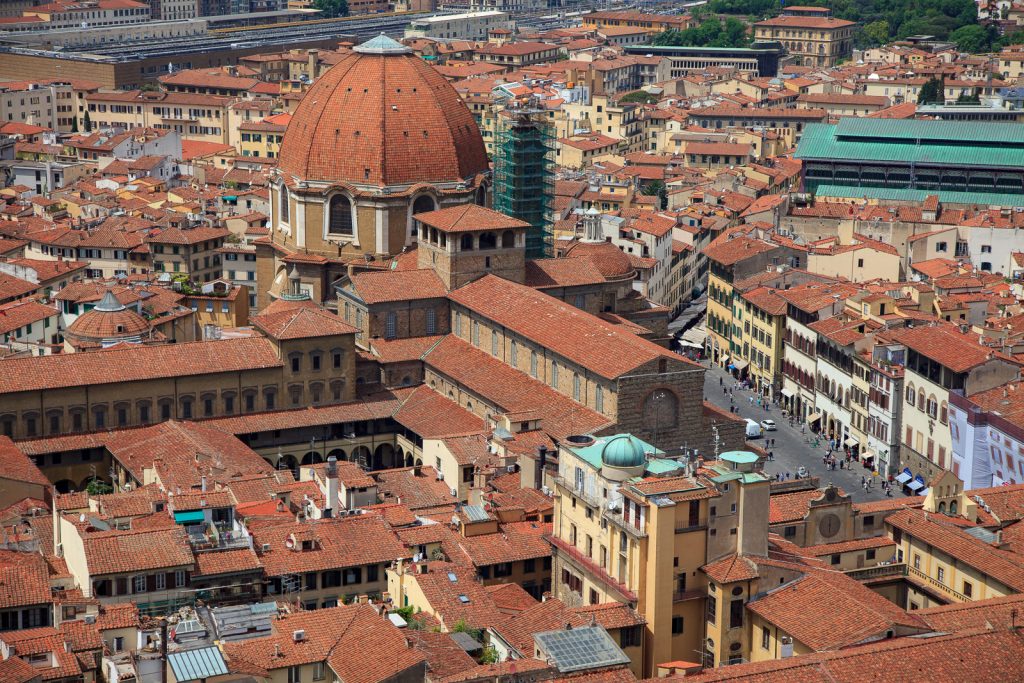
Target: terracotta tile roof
[(731, 568), (402, 350), (888, 504), (996, 564), (567, 331), (432, 416), (468, 217), (219, 562), (944, 344), (510, 391), (12, 287), (549, 615), (338, 636), (767, 299), (301, 323), (117, 616), (81, 636), (510, 597), (529, 499), (45, 640), (612, 615), (122, 552), (414, 490), (136, 363), (982, 655), (16, 670), (728, 250), (561, 272), (337, 543), (444, 656), (24, 580), (510, 669), (995, 613), (792, 507), (849, 546), (378, 287), (372, 106), (513, 543), (23, 312), (15, 466), (372, 407), (445, 596)]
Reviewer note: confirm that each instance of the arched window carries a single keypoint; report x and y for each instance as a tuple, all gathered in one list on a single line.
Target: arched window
[(942, 508), (933, 406), (466, 243), (952, 507), (515, 354), (481, 196), (910, 395), (285, 209), (508, 239), (340, 216), (920, 399), (423, 204), (488, 240)]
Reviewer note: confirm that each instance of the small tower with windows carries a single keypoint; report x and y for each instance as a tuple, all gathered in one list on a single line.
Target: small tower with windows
[(463, 243)]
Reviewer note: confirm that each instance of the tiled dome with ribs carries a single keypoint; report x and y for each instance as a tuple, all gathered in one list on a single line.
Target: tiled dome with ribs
[(609, 260), (382, 116), (110, 319)]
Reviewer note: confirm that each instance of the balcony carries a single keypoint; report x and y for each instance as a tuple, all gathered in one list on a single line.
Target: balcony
[(594, 571), (584, 493), (682, 596), (913, 572), (881, 571), (619, 520)]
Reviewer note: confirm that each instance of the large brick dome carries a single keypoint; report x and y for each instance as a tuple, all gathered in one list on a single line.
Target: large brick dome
[(384, 117)]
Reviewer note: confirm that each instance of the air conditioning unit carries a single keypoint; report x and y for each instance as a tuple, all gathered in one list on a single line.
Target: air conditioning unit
[(90, 618), (510, 468), (266, 547), (455, 492), (299, 636)]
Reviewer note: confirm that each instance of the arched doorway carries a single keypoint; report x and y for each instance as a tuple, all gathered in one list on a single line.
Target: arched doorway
[(65, 486), (384, 457), (408, 460), (361, 456), (338, 453), (312, 458), (288, 462)]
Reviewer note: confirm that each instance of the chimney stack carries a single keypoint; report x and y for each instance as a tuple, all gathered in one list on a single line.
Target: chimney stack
[(332, 487)]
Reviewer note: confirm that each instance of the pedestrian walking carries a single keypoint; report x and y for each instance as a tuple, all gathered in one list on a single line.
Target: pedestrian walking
[(720, 381), (771, 455)]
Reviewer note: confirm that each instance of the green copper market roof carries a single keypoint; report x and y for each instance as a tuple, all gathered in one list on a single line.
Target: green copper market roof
[(904, 194), (950, 143)]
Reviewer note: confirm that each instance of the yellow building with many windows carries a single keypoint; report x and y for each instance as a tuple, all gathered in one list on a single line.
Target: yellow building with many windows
[(636, 527)]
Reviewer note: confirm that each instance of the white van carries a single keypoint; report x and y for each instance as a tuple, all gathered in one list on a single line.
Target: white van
[(753, 429)]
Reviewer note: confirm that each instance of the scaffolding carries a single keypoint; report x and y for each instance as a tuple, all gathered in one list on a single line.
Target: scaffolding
[(524, 175)]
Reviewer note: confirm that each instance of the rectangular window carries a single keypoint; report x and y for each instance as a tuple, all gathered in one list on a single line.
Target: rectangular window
[(533, 364), (161, 581), (598, 399), (677, 625), (494, 343), (554, 375), (941, 575), (576, 386), (391, 325), (431, 321), (476, 333), (179, 578), (736, 614), (766, 637), (630, 636), (139, 584), (968, 589)]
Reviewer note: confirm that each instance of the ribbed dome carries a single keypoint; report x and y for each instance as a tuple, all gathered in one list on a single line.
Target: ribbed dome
[(623, 451), (110, 319), (609, 260), (382, 116)]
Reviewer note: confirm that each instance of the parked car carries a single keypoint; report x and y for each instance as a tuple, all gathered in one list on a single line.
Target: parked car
[(768, 425)]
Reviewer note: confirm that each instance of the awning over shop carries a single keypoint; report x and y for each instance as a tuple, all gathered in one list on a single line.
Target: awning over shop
[(904, 476), (814, 417), (787, 393), (867, 455), (189, 517), (851, 442), (690, 344), (741, 364), (916, 484), (725, 359)]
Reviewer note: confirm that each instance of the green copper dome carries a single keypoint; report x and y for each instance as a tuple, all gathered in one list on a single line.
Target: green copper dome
[(623, 451)]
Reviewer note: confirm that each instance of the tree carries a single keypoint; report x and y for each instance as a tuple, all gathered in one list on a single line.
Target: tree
[(97, 487), (332, 8), (969, 99), (87, 123), (876, 33), (656, 188), (972, 39), (932, 92), (74, 124)]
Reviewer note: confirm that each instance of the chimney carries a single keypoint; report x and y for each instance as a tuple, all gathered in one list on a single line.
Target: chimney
[(163, 650), (332, 487), (542, 460), (311, 64), (58, 546)]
